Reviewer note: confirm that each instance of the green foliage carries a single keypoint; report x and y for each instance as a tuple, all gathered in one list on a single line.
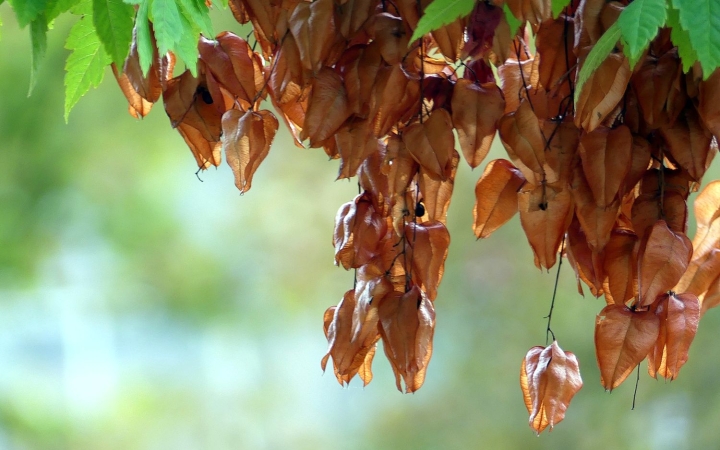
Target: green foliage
[(440, 13), (558, 6), (57, 7), (597, 55), (701, 19), (639, 23), (177, 25), (38, 40), (113, 22), (27, 10), (85, 66), (681, 38), (144, 40), (512, 21)]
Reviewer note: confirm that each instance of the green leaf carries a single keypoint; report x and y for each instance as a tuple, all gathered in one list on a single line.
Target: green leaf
[(681, 39), (167, 23), (27, 10), (223, 3), (558, 6), (187, 48), (84, 7), (38, 40), (639, 23), (512, 21), (57, 7), (197, 12), (440, 13), (113, 21), (85, 67), (597, 55), (701, 19), (144, 40)]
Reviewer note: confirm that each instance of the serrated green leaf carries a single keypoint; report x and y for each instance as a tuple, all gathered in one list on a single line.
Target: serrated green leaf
[(196, 11), (681, 39), (134, 2), (701, 19), (557, 7), (639, 23), (512, 21), (144, 40), (167, 23), (440, 13), (187, 48), (57, 7), (38, 41), (84, 7), (85, 67), (597, 55), (27, 10), (113, 21)]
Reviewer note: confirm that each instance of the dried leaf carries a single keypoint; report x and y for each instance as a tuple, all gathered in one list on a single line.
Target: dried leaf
[(582, 259), (327, 108), (523, 139), (496, 199), (431, 143), (679, 316), (663, 258), (602, 91), (620, 266), (689, 142), (549, 379), (358, 232), (606, 155), (476, 110), (545, 214), (313, 27), (355, 142), (623, 338), (427, 248), (246, 142), (407, 325), (436, 194)]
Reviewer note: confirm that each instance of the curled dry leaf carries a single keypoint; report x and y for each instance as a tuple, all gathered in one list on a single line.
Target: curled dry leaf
[(407, 325), (390, 34), (523, 139), (606, 155), (620, 266), (518, 78), (355, 142), (583, 259), (545, 214), (431, 143), (561, 151), (234, 65), (597, 221), (352, 331), (689, 142), (327, 108), (557, 58), (549, 379), (623, 338), (659, 89), (313, 27), (679, 315), (602, 92), (246, 142), (358, 231), (646, 211), (496, 199), (138, 107), (476, 110), (663, 258), (707, 211), (428, 244), (395, 99), (450, 39), (436, 193), (352, 15)]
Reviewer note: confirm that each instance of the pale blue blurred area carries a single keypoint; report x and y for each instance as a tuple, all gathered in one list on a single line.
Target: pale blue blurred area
[(143, 309)]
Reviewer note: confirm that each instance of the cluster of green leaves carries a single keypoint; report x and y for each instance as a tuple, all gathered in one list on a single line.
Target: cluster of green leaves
[(104, 32)]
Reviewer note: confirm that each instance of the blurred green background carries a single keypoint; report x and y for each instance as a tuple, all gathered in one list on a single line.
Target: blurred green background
[(143, 309)]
